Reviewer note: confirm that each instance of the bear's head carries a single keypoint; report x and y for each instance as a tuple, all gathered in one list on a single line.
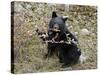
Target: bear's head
[(56, 25)]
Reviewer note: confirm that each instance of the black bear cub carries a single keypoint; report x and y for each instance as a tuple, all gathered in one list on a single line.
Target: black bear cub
[(59, 35)]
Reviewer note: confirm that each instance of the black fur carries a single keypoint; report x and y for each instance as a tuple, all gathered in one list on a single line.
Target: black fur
[(68, 53)]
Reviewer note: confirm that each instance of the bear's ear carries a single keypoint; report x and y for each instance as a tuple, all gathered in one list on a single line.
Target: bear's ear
[(54, 14), (65, 18)]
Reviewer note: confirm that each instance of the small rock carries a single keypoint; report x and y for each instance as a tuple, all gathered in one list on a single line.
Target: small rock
[(70, 27), (92, 34), (36, 26), (85, 32), (76, 33), (67, 24)]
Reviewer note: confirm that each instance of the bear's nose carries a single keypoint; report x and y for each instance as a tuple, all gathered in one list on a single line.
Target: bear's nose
[(56, 26)]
